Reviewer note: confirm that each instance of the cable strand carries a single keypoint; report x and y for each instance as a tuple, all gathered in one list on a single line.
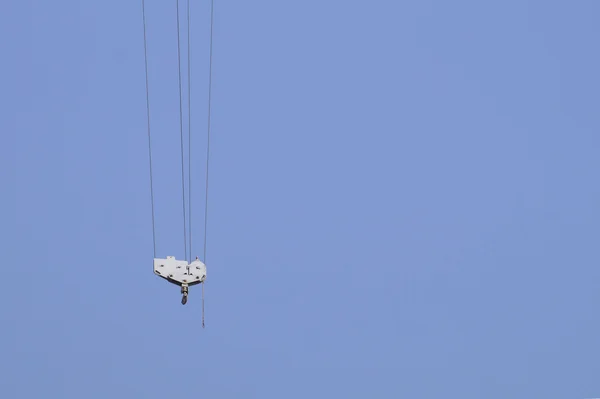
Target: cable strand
[(148, 124), (181, 132), (208, 127), (189, 66)]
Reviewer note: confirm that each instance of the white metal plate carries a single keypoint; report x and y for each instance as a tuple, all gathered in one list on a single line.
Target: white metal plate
[(179, 271)]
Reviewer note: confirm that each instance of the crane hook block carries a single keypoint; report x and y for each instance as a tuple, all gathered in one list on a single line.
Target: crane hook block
[(180, 272)]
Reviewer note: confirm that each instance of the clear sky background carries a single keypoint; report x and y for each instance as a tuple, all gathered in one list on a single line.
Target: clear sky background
[(404, 200)]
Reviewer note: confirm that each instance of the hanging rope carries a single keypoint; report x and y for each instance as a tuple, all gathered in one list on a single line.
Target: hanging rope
[(209, 114), (181, 132), (212, 7), (189, 66), (148, 122)]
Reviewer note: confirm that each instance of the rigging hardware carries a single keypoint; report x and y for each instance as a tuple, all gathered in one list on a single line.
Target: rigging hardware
[(180, 272)]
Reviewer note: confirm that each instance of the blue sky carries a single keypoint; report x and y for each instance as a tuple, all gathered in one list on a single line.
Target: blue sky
[(403, 200)]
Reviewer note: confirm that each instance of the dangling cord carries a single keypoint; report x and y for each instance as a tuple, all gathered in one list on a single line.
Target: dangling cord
[(189, 68), (185, 252), (210, 62), (148, 117), (208, 140)]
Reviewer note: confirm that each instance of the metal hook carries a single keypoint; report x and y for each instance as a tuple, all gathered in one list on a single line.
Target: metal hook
[(184, 291)]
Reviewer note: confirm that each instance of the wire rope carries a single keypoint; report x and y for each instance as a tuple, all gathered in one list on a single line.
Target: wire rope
[(189, 66), (181, 131), (212, 3), (148, 124)]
